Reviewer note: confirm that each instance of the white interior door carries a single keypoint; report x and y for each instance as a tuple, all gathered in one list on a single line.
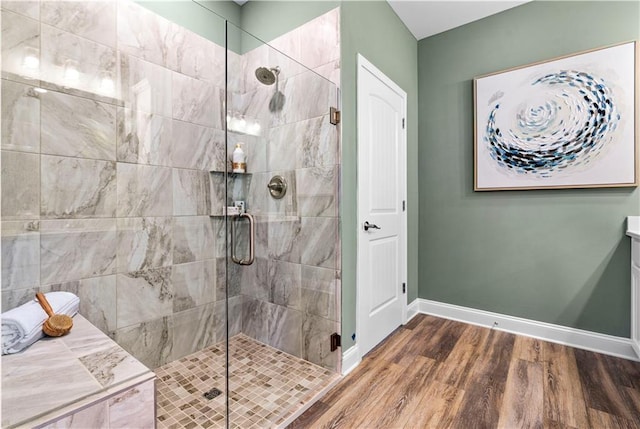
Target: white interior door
[(381, 206)]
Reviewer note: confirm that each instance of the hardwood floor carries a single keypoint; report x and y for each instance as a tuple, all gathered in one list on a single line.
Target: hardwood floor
[(437, 373)]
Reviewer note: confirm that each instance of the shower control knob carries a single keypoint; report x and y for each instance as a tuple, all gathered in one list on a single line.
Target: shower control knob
[(368, 226), (277, 187)]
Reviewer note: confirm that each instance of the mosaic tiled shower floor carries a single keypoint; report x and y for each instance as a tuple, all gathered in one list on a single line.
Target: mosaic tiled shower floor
[(266, 386)]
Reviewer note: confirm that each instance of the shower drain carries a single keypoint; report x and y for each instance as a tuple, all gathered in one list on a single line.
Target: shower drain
[(213, 393)]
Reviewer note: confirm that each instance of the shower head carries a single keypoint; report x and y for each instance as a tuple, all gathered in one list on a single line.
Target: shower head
[(267, 76)]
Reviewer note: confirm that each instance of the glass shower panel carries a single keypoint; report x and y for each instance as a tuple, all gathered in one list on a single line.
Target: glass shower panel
[(282, 306), (112, 119)]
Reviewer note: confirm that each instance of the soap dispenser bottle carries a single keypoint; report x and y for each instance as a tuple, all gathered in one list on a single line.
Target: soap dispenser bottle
[(239, 160)]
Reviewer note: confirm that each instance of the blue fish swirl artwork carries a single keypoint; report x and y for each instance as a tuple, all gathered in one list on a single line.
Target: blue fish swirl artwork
[(563, 123), (545, 141)]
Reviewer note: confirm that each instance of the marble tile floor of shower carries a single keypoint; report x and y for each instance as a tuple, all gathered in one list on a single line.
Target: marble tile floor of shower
[(266, 385)]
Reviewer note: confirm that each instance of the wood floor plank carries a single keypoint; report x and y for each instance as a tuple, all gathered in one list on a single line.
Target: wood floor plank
[(526, 348), (415, 321), (349, 406), (439, 344), (362, 375), (484, 391), (550, 424), (480, 406), (382, 347), (523, 403), (437, 408), (486, 379), (563, 397), (600, 392), (623, 372), (634, 402), (401, 398), (391, 346), (421, 334), (408, 360), (601, 420), (494, 359), (456, 369), (365, 371)]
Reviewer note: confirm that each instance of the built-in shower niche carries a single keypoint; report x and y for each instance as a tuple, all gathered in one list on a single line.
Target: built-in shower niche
[(224, 193)]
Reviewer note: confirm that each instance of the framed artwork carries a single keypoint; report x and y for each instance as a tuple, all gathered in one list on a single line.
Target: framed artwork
[(569, 122)]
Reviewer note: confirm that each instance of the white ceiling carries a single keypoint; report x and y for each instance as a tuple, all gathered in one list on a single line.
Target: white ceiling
[(425, 18)]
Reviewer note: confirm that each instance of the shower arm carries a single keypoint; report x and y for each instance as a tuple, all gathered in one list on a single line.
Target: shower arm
[(252, 235)]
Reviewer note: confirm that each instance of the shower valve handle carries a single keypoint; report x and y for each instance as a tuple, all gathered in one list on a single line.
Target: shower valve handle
[(275, 186)]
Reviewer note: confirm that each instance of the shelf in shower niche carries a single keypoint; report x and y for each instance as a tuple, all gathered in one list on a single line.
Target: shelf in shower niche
[(221, 215), (231, 173)]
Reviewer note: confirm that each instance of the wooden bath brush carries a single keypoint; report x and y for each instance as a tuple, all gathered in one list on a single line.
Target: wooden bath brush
[(56, 325)]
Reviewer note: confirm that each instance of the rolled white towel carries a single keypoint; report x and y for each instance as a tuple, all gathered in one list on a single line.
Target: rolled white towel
[(22, 326)]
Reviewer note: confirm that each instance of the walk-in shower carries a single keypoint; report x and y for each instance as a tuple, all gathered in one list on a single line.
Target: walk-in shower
[(130, 205)]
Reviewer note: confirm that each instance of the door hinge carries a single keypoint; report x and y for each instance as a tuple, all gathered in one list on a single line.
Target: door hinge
[(404, 205), (403, 123), (335, 341), (404, 288), (334, 116)]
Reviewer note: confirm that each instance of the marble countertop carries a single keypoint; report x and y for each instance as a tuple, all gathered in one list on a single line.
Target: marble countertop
[(633, 227), (58, 374)]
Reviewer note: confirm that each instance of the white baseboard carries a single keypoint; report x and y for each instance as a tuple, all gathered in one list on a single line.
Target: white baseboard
[(413, 309), (593, 341), (350, 359)]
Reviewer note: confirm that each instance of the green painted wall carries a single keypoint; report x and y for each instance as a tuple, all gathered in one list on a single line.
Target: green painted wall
[(372, 29), (250, 24), (557, 256), (227, 9), (394, 51), (267, 19), (198, 16)]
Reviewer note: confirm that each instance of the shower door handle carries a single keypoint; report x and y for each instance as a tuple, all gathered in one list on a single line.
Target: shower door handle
[(252, 236)]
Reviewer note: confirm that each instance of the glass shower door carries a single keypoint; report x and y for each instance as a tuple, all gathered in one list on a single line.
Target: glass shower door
[(283, 256)]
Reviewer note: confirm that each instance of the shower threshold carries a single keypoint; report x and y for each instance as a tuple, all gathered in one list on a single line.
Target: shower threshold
[(268, 388)]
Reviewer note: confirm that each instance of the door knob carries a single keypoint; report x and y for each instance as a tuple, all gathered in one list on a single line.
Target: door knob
[(368, 226)]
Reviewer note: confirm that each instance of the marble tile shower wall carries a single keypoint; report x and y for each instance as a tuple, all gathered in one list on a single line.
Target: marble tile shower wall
[(292, 291), (105, 180), (105, 175)]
